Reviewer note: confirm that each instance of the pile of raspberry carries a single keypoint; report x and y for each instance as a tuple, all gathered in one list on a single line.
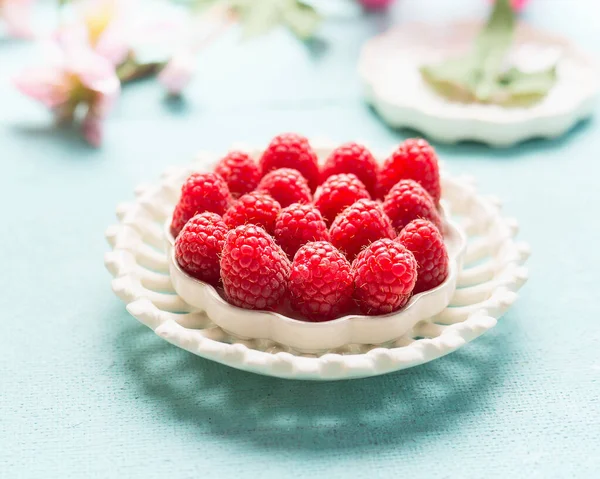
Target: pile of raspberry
[(326, 239)]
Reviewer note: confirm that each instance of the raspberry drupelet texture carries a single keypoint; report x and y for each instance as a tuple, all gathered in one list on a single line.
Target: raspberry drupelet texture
[(286, 185), (408, 201), (297, 225), (321, 282), (201, 192), (290, 150), (425, 242), (240, 172), (352, 158), (385, 274), (199, 244), (337, 193), (358, 225), (254, 270), (253, 208), (414, 159)]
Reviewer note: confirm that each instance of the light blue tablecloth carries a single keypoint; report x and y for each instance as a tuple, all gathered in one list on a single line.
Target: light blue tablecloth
[(86, 391)]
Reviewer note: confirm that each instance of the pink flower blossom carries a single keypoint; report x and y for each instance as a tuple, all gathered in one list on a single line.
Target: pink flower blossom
[(117, 29), (375, 4), (518, 4), (102, 25), (16, 17), (178, 72), (75, 77)]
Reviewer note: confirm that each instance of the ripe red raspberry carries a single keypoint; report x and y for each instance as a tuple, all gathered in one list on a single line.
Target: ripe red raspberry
[(408, 201), (321, 282), (199, 244), (254, 270), (240, 172), (297, 225), (352, 158), (414, 159), (286, 185), (425, 242), (337, 193), (201, 192), (358, 225), (385, 274), (290, 150), (254, 208)]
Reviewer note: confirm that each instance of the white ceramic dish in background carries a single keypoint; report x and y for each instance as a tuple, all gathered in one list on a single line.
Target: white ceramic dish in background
[(487, 283), (389, 69), (308, 337)]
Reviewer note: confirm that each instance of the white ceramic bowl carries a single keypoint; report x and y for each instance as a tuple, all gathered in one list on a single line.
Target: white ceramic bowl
[(487, 286), (309, 337)]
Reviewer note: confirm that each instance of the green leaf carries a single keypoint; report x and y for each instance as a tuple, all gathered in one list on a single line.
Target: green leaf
[(480, 76), (517, 88), (491, 46), (450, 79), (201, 5), (302, 19), (198, 5), (258, 17)]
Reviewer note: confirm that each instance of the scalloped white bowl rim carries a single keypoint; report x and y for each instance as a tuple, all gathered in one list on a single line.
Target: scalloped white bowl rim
[(487, 286)]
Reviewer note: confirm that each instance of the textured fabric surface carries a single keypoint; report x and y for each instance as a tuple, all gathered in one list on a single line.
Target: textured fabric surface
[(86, 391)]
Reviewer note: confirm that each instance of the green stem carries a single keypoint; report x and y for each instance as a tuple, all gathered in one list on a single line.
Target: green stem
[(130, 70), (491, 47)]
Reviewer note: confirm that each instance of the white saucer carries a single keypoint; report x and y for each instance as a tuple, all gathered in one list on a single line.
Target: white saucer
[(486, 286), (389, 68)]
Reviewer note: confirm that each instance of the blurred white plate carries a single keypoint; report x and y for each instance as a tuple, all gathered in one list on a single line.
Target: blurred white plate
[(389, 68)]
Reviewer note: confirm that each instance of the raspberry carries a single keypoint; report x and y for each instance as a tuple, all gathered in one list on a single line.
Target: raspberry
[(414, 159), (321, 282), (407, 201), (240, 172), (337, 193), (199, 244), (290, 150), (358, 225), (352, 158), (201, 192), (286, 185), (385, 274), (297, 225), (254, 269), (425, 242), (254, 208)]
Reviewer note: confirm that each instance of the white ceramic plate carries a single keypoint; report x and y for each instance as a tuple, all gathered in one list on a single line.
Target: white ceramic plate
[(389, 69), (486, 286)]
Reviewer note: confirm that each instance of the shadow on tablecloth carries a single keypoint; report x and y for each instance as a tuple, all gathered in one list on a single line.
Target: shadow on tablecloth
[(289, 415)]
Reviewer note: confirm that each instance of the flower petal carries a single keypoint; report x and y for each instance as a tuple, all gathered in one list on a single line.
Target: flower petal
[(92, 128), (96, 73), (47, 85), (518, 4), (72, 34), (178, 72), (16, 13), (113, 44)]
